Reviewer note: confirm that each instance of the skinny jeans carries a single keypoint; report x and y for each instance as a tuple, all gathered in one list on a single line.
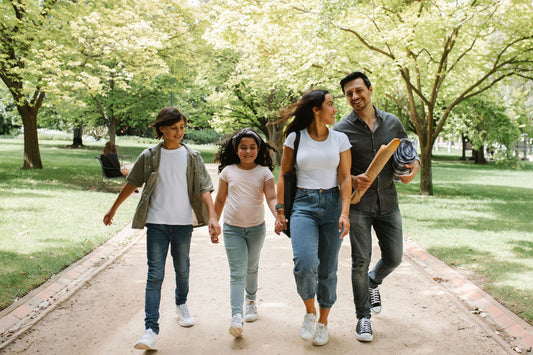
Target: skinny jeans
[(158, 239), (243, 248), (388, 228)]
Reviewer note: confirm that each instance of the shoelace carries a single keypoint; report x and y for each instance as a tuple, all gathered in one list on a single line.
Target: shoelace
[(185, 312), (364, 325), (250, 308), (374, 296)]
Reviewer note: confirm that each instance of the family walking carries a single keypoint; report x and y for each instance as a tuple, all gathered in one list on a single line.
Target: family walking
[(329, 163)]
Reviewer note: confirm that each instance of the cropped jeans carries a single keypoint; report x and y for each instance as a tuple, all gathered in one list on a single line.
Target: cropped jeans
[(243, 247), (388, 228), (316, 242), (158, 238)]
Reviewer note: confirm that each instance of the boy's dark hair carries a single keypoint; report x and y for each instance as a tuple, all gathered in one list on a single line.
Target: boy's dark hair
[(167, 117), (353, 76), (227, 154)]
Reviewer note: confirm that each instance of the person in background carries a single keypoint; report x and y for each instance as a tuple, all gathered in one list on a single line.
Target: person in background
[(176, 196), (245, 177), (111, 163), (367, 129), (319, 217)]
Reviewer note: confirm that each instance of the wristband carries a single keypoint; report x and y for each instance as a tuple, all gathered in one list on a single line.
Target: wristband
[(280, 206)]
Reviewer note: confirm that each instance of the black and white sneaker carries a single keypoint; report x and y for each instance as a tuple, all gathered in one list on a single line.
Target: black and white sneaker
[(375, 299), (363, 331)]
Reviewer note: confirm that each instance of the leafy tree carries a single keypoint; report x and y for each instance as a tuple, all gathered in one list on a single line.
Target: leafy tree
[(32, 37), (483, 121), (263, 63), (429, 56)]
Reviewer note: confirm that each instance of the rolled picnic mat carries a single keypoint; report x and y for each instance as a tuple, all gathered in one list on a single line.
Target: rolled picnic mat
[(405, 154)]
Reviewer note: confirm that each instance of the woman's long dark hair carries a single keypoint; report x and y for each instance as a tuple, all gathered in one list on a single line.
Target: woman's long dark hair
[(302, 111), (227, 154)]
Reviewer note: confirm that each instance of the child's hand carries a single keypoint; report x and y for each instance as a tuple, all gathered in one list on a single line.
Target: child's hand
[(108, 218), (214, 230)]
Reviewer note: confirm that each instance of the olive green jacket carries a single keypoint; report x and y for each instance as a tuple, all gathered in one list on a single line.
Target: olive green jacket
[(146, 170)]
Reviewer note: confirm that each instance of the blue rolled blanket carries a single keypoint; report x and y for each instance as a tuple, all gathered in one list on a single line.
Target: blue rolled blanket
[(405, 154)]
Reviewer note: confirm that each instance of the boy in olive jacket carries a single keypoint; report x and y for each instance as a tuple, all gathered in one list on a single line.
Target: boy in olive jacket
[(176, 197)]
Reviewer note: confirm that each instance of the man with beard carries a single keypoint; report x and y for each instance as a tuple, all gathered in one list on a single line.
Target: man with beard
[(367, 129)]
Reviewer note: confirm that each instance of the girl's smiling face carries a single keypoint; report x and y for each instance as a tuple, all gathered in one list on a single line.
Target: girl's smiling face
[(247, 151)]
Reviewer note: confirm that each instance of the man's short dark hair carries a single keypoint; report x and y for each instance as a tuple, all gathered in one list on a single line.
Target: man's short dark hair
[(167, 117), (353, 76)]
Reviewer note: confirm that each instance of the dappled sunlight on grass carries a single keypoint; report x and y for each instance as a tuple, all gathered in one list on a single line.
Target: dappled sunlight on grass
[(480, 218)]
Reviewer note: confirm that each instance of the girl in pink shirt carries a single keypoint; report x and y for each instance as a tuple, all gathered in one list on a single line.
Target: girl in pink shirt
[(245, 177)]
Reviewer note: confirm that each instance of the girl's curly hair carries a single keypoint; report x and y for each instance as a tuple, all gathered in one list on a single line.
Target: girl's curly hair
[(227, 154)]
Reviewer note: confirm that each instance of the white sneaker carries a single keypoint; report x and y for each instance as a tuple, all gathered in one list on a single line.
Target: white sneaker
[(250, 311), (308, 326), (321, 335), (148, 341), (184, 316), (237, 326)]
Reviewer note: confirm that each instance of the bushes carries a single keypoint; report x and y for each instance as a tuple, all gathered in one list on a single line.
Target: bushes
[(202, 136)]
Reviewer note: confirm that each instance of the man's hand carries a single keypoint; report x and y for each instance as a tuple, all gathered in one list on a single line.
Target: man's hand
[(414, 167), (361, 182)]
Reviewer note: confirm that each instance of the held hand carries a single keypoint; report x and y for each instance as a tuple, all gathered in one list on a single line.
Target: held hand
[(344, 226), (214, 230), (361, 182), (414, 167), (280, 224)]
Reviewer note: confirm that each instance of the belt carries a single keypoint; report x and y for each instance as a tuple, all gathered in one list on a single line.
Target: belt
[(319, 190)]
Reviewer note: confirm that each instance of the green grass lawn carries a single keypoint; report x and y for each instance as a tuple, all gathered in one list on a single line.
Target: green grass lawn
[(480, 222), (52, 217)]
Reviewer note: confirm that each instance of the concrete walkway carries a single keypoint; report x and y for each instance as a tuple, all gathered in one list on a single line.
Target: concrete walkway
[(95, 306)]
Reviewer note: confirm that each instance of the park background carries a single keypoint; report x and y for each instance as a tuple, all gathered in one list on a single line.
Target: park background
[(457, 73)]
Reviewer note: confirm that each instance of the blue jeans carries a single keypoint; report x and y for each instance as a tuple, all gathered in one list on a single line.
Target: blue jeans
[(388, 228), (316, 243), (158, 238), (243, 247)]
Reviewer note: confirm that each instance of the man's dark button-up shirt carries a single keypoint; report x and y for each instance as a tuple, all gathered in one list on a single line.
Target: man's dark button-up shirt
[(381, 196)]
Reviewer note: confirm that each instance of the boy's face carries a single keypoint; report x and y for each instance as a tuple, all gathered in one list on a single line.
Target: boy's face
[(173, 134)]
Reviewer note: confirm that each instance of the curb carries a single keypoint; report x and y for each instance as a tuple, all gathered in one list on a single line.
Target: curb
[(508, 327), (18, 318)]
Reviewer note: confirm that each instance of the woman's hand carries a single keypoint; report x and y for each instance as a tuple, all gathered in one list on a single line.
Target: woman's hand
[(281, 222), (344, 225)]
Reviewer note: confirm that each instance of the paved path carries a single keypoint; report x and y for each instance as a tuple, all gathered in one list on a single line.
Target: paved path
[(96, 307)]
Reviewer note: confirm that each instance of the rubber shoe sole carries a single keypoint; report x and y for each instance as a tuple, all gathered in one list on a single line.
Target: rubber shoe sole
[(236, 331)]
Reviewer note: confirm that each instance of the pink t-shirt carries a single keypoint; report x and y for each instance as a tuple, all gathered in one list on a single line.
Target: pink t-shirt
[(245, 201)]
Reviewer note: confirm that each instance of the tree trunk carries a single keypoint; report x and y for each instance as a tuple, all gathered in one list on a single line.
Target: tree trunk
[(77, 140), (479, 156), (32, 155), (426, 178), (465, 142), (112, 129), (275, 136)]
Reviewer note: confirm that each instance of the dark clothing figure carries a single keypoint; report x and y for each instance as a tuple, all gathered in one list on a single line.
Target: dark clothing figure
[(111, 165)]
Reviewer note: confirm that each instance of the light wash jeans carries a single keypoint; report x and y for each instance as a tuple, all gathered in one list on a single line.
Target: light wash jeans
[(243, 248), (316, 243), (388, 228), (158, 238)]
